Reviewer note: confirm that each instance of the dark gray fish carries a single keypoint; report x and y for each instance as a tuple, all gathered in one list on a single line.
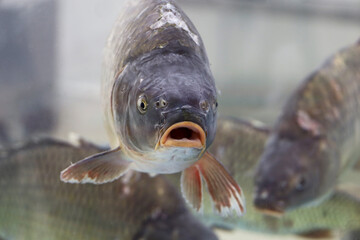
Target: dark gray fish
[(35, 204), (160, 105), (315, 140)]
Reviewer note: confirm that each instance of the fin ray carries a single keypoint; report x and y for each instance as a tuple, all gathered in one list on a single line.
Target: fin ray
[(99, 168), (191, 186), (224, 191)]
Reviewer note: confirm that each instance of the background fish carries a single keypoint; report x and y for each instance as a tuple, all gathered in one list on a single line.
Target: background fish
[(142, 206), (239, 144), (316, 138), (35, 204), (160, 105)]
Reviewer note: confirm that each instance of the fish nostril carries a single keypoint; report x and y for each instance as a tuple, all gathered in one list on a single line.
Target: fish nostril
[(161, 103), (204, 105)]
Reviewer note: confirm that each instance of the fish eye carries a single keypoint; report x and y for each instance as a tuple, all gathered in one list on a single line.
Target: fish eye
[(301, 184), (142, 104), (215, 105)]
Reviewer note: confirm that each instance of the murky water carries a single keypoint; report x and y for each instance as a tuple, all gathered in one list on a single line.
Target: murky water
[(51, 56)]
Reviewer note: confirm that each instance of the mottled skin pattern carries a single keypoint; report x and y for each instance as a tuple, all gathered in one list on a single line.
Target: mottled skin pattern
[(167, 62), (239, 145), (315, 139), (34, 204)]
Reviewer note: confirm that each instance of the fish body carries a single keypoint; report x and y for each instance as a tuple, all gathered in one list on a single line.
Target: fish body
[(138, 206), (239, 144), (316, 138), (160, 104), (35, 204), (155, 55)]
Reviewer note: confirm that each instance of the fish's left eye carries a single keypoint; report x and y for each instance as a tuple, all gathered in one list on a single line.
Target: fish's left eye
[(142, 104)]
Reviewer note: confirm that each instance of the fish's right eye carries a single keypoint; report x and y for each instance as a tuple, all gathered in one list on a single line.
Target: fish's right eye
[(142, 104), (301, 184)]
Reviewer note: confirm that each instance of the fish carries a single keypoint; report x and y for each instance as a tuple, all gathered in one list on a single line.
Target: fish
[(35, 204), (81, 211), (160, 104), (315, 140), (239, 144)]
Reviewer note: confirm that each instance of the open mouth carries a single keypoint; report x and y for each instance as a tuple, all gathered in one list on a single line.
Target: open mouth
[(271, 212), (184, 134)]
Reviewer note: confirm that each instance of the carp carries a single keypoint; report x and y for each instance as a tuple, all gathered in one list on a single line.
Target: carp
[(160, 104), (316, 138)]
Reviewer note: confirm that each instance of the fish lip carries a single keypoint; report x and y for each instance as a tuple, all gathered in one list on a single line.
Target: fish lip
[(271, 212), (197, 138)]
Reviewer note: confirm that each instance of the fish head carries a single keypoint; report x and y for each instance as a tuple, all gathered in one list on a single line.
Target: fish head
[(290, 174), (171, 113)]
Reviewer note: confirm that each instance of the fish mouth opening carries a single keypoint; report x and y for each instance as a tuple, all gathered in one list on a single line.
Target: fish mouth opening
[(271, 212), (184, 134)]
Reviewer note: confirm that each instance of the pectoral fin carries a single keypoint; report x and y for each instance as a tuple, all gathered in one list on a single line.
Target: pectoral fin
[(191, 186), (224, 191), (99, 168)]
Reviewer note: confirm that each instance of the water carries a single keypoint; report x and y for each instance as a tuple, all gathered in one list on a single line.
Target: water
[(51, 54)]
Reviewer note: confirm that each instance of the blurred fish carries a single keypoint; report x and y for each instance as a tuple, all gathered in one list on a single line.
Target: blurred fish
[(160, 105), (316, 139), (35, 204), (239, 144), (139, 207)]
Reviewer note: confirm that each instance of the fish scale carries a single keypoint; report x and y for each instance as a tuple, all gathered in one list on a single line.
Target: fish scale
[(77, 214), (341, 71), (160, 103), (315, 140), (34, 204)]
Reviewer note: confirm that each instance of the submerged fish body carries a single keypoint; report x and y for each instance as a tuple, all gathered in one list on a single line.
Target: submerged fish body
[(156, 74), (167, 70), (316, 138), (240, 144), (160, 105), (35, 204)]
